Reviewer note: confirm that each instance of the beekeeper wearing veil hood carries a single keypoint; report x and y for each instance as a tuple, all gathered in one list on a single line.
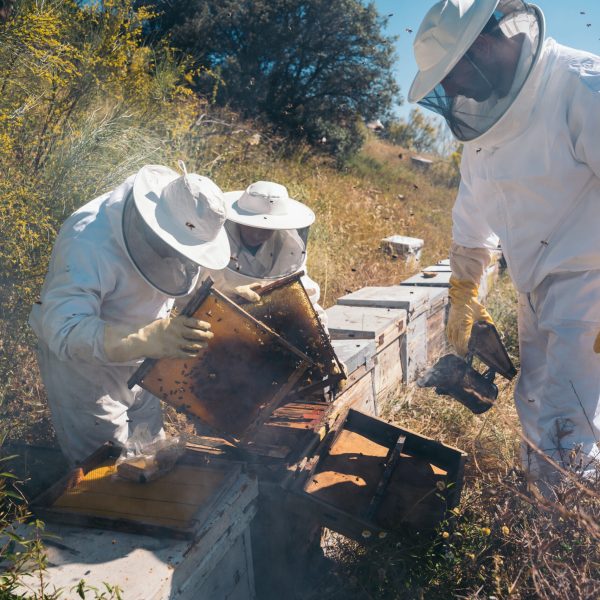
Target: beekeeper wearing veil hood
[(528, 112), (117, 266), (268, 233)]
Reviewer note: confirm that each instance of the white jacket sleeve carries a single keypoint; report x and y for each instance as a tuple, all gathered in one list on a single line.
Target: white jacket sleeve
[(583, 116), (469, 226), (70, 304)]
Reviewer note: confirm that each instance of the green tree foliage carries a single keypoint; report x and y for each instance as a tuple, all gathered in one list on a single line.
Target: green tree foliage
[(419, 133), (78, 90), (314, 68)]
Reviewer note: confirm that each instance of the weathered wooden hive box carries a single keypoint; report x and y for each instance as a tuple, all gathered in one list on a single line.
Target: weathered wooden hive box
[(407, 249), (385, 327), (416, 302), (185, 536)]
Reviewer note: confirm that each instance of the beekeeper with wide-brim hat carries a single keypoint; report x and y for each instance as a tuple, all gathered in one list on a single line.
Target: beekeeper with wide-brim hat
[(526, 109), (117, 266), (268, 233)]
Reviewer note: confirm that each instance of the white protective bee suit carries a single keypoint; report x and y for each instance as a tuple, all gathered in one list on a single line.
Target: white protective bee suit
[(532, 182), (92, 285)]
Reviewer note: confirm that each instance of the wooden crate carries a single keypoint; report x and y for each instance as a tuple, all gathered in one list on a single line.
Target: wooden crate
[(214, 564), (368, 478), (415, 301)]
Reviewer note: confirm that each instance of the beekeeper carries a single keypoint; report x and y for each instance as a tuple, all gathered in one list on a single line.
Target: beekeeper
[(117, 265), (268, 233), (528, 112)]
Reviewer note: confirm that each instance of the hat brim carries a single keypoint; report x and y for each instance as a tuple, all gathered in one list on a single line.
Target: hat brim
[(297, 217), (425, 81), (147, 188)]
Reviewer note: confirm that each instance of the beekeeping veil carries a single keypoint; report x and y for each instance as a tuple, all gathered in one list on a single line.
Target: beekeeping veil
[(266, 205), (474, 57), (172, 225)]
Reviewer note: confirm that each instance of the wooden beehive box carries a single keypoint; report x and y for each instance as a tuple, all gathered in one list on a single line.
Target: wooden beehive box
[(407, 249), (383, 325), (368, 478), (416, 302), (359, 391), (146, 552)]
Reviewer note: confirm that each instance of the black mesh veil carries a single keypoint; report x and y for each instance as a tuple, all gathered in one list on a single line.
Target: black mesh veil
[(163, 267), (469, 115)]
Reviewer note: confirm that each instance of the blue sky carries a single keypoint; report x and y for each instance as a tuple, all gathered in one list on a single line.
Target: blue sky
[(563, 23)]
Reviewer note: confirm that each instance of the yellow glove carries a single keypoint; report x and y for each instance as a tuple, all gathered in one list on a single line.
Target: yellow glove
[(173, 337), (465, 309), (247, 292)]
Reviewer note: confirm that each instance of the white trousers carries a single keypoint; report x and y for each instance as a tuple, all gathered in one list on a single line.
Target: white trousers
[(558, 391), (91, 405)]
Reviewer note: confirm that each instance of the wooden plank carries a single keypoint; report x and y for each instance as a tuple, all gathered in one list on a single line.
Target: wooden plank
[(360, 396), (410, 298), (413, 349), (388, 370), (383, 325)]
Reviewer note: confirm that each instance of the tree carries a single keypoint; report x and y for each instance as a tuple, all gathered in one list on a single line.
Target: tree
[(420, 133), (315, 68)]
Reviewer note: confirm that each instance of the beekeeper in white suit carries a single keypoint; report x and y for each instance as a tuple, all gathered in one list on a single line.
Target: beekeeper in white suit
[(528, 112), (117, 266), (267, 232)]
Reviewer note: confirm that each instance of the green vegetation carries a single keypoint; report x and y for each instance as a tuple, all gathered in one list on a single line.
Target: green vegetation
[(312, 68)]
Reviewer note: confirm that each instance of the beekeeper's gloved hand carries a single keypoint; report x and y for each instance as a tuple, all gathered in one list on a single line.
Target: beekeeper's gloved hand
[(468, 266), (247, 292), (173, 337), (465, 309)]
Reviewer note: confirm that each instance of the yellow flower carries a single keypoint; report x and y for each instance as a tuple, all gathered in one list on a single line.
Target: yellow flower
[(505, 530), (486, 530), (445, 535)]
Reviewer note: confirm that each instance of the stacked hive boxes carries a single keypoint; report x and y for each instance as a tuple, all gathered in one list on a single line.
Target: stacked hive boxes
[(390, 335)]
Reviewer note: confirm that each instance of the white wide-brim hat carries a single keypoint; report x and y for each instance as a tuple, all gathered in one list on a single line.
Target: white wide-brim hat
[(186, 211), (267, 205), (446, 33)]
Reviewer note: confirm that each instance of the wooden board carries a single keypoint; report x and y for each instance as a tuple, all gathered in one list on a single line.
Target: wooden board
[(388, 370), (413, 348), (359, 394), (410, 298), (383, 325)]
